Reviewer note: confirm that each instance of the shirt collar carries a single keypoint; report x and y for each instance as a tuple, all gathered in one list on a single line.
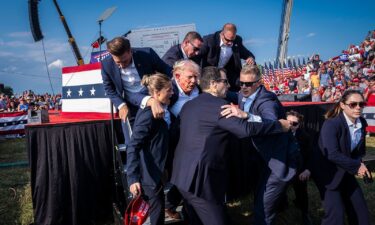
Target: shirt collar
[(223, 45), (130, 66), (252, 96), (167, 115), (357, 124), (183, 52)]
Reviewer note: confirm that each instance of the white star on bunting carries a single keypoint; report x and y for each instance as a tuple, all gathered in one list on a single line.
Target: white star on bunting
[(80, 92), (92, 91), (68, 93)]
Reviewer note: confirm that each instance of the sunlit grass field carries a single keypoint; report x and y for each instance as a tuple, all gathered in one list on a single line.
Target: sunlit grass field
[(16, 200)]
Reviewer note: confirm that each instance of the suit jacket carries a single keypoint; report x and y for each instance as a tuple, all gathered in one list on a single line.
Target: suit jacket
[(334, 158), (145, 60), (174, 54), (147, 150), (305, 146), (210, 54), (279, 151), (199, 165)]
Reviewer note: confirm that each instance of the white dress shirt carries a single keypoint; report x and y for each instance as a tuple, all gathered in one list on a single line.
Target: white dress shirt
[(182, 99), (225, 53), (131, 82), (247, 104), (130, 78), (355, 131)]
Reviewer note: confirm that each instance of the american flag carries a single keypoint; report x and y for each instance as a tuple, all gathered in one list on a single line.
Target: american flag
[(369, 114), (83, 91), (13, 123)]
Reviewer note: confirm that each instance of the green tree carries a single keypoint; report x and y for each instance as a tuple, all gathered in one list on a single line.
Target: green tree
[(7, 91)]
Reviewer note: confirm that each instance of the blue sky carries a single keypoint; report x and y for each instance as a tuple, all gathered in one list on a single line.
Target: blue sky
[(324, 27)]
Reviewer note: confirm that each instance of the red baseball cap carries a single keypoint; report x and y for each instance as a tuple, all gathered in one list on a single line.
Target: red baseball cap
[(137, 211)]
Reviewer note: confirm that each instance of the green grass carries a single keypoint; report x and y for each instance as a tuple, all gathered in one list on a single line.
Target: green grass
[(15, 192), (13, 150), (240, 210), (16, 201)]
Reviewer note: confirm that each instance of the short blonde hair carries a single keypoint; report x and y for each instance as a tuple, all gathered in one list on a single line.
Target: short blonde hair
[(251, 69)]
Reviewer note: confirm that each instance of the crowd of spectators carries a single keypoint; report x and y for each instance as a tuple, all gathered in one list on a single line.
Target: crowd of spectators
[(29, 100), (354, 69)]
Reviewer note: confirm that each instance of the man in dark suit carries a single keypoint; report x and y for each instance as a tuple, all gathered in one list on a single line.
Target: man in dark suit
[(188, 49), (122, 74), (186, 74), (276, 154), (199, 169), (225, 49), (299, 182)]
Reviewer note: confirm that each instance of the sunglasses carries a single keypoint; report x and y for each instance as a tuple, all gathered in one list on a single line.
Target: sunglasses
[(229, 41), (352, 105), (195, 48), (247, 84), (225, 81)]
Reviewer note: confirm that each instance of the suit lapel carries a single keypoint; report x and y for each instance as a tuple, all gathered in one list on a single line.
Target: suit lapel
[(180, 54), (176, 93), (236, 54), (117, 76), (218, 48), (256, 98), (346, 133), (240, 102), (363, 135), (138, 64)]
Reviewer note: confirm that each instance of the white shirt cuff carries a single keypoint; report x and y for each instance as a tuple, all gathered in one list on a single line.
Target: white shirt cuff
[(254, 118), (144, 102)]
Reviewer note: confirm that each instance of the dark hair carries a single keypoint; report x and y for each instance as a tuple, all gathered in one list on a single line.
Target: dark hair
[(193, 35), (210, 73), (118, 46), (155, 82), (298, 115), (336, 110)]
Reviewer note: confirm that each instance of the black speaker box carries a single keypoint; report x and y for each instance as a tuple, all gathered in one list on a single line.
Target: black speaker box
[(34, 20)]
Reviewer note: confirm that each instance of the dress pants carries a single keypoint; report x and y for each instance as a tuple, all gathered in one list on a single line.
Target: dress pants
[(268, 194), (155, 197), (203, 212), (347, 197)]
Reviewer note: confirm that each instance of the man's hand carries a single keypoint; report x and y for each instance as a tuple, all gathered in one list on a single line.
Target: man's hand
[(135, 188), (123, 112), (305, 175), (285, 124), (232, 110), (363, 170), (250, 61), (156, 108)]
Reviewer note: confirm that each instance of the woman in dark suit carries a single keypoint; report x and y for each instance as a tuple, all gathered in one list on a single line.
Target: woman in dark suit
[(148, 147), (339, 158)]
